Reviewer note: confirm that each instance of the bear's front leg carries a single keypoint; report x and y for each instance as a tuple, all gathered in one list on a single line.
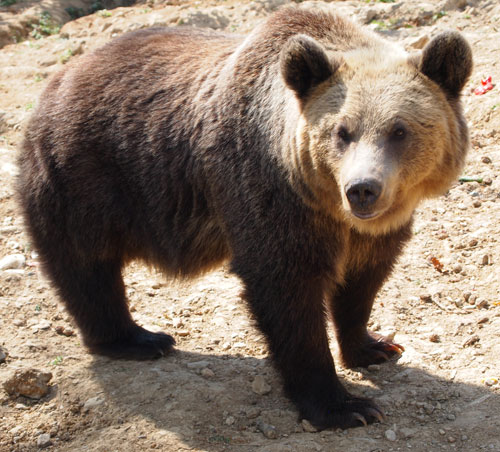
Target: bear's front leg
[(351, 306), (288, 306)]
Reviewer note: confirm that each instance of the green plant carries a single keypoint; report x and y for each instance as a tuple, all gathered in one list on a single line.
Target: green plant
[(104, 13), (57, 361), (7, 2), (380, 24), (45, 26), (438, 15), (67, 54)]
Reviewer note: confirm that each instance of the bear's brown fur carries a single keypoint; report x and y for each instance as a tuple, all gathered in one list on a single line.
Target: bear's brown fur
[(298, 153)]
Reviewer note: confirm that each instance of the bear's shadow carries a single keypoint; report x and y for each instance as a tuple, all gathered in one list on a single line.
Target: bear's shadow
[(206, 400)]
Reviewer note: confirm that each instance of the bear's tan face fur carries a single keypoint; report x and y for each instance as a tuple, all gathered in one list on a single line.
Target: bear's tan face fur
[(384, 122)]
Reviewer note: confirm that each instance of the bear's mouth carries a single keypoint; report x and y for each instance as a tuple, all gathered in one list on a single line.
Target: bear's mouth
[(366, 215)]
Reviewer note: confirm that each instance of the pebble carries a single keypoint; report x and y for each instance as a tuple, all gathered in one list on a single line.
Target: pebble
[(260, 386), (486, 159), (482, 303), (207, 373), (407, 432), (457, 268), (308, 427), (92, 403), (268, 430), (253, 412), (64, 331), (427, 298), (43, 440), (374, 367), (477, 203), (230, 420), (12, 262), (485, 260), (390, 435), (31, 383), (471, 341)]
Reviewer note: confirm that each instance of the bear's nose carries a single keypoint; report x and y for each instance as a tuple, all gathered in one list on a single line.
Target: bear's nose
[(363, 193)]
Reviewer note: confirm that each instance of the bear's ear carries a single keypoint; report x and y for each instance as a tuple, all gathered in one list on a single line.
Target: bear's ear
[(304, 64), (447, 59)]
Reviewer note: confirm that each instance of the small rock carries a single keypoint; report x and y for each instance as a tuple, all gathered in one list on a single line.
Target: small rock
[(182, 333), (92, 403), (230, 420), (3, 355), (482, 303), (177, 323), (374, 367), (308, 427), (487, 181), (12, 261), (64, 331), (407, 432), (427, 298), (31, 383), (477, 203), (471, 341), (207, 373), (483, 320), (269, 431), (486, 159), (442, 432), (457, 268), (253, 412), (451, 439), (390, 435), (485, 260), (43, 440), (260, 386)]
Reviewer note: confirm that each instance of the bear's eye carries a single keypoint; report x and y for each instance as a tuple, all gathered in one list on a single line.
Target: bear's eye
[(343, 134), (398, 133)]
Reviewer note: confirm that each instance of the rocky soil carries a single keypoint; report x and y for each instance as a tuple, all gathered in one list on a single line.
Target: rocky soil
[(219, 391)]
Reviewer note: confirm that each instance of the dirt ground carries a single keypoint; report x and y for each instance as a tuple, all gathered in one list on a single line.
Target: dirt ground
[(443, 394)]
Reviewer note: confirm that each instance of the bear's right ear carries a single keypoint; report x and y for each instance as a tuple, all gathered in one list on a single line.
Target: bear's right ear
[(447, 60), (304, 64)]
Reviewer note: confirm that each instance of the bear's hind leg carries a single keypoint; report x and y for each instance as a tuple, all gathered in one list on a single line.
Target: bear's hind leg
[(94, 294)]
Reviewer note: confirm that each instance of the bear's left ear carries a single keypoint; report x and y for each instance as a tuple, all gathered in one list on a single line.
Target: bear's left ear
[(447, 60), (304, 64)]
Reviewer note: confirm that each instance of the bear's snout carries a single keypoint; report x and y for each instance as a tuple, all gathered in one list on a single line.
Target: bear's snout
[(362, 195)]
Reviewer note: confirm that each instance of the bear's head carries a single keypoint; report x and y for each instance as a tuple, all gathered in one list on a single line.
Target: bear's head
[(378, 129)]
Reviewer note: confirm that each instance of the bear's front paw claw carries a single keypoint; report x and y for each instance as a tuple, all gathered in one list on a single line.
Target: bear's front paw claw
[(377, 414), (360, 418), (375, 349)]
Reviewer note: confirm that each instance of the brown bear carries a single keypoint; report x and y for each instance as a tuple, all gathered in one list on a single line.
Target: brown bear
[(298, 153)]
